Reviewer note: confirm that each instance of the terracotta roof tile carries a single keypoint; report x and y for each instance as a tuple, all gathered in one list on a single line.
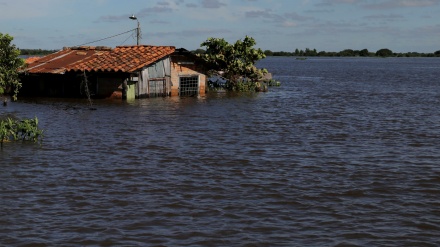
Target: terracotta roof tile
[(126, 58), (119, 59)]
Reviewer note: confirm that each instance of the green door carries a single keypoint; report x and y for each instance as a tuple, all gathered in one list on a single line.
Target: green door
[(131, 85)]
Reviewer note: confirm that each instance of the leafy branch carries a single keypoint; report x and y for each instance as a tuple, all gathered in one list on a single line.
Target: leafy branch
[(24, 130), (234, 62)]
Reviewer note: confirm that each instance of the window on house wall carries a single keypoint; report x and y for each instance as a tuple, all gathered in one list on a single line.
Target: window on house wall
[(189, 85)]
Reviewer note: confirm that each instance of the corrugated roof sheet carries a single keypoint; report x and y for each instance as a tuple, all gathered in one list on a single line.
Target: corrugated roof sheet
[(100, 59), (57, 63), (30, 60)]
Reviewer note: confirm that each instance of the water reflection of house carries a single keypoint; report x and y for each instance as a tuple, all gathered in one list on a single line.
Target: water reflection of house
[(125, 71)]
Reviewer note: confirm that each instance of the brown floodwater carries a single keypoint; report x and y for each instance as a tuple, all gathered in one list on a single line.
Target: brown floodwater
[(345, 153)]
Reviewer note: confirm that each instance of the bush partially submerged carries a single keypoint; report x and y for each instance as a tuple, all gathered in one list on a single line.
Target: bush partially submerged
[(273, 83), (242, 85), (234, 63), (24, 130)]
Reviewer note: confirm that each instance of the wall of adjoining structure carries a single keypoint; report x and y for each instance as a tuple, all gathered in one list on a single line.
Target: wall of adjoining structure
[(154, 80), (182, 66)]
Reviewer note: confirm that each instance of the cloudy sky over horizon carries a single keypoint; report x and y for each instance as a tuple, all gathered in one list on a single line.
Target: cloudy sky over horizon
[(277, 25)]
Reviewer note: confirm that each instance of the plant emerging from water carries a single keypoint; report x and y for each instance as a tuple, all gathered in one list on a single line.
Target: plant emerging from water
[(235, 63), (218, 83), (24, 130), (10, 63)]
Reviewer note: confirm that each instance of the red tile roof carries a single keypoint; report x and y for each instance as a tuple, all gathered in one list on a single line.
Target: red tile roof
[(30, 60), (124, 59), (100, 59)]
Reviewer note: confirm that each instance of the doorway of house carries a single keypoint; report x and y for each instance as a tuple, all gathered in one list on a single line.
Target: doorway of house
[(157, 87)]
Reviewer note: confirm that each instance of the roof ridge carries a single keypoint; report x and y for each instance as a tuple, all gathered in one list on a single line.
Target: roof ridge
[(87, 48), (134, 46)]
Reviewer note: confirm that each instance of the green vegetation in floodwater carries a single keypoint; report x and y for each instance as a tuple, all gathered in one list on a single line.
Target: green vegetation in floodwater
[(272, 83), (234, 64), (10, 63), (24, 130), (219, 84)]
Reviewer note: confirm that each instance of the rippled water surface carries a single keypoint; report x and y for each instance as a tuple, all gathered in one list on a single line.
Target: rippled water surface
[(345, 153)]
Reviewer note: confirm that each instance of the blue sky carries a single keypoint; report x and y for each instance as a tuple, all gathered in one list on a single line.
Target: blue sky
[(277, 25)]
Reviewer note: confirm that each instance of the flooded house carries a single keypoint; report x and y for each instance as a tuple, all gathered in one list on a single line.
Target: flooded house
[(126, 72)]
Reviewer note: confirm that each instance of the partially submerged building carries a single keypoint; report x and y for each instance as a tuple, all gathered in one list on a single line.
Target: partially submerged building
[(125, 71)]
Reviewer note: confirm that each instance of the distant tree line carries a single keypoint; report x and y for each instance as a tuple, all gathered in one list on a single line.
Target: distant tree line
[(34, 52), (299, 53), (350, 53)]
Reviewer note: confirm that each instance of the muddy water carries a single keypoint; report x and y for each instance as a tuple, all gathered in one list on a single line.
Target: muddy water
[(346, 152)]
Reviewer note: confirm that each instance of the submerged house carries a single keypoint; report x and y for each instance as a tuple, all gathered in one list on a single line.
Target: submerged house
[(123, 72)]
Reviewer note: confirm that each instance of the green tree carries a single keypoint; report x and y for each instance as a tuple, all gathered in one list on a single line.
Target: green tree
[(347, 53), (310, 53), (364, 53), (198, 51), (234, 62), (268, 53), (384, 53), (36, 52), (282, 53), (9, 65), (307, 52)]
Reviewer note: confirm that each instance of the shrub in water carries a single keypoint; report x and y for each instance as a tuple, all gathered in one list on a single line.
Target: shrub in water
[(25, 130)]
